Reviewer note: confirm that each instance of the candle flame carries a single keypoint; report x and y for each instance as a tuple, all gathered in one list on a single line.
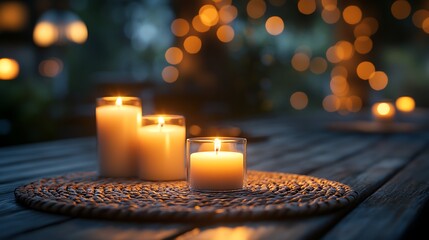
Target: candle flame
[(119, 101), (161, 121), (217, 145)]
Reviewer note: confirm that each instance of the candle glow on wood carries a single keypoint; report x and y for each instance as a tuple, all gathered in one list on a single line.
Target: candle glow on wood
[(216, 170)]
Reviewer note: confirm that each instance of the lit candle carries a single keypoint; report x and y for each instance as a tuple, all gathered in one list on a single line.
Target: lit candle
[(383, 111), (216, 170), (162, 148), (117, 121)]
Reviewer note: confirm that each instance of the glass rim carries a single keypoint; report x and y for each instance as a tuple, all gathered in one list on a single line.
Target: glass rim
[(112, 98), (222, 139), (165, 116)]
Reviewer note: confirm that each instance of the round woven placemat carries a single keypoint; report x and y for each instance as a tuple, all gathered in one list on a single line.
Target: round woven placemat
[(268, 195)]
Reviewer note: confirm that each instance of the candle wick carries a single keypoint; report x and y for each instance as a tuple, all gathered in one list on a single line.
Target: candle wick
[(217, 150)]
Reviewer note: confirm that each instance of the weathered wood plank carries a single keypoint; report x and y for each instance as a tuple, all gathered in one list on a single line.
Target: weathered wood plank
[(391, 208), (43, 146), (99, 229), (280, 146), (8, 204), (75, 162), (46, 163), (309, 158), (31, 153), (22, 221)]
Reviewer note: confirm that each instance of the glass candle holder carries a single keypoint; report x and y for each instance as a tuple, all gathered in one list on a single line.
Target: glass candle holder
[(117, 120), (383, 111), (216, 164), (162, 148)]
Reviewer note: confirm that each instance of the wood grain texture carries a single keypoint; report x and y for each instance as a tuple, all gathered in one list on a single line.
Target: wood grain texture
[(392, 208), (101, 230)]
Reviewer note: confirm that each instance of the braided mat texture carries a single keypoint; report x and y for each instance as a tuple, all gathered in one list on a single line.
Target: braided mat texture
[(268, 195)]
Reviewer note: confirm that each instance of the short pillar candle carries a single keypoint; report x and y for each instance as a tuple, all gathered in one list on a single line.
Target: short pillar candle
[(216, 164), (117, 120), (162, 148)]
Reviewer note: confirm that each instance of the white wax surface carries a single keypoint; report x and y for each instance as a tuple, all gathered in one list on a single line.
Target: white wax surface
[(117, 139), (216, 171), (162, 152)]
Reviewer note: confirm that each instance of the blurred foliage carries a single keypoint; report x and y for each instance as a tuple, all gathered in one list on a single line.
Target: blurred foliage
[(26, 105)]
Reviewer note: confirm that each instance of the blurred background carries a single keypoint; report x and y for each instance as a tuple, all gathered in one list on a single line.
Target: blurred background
[(208, 60)]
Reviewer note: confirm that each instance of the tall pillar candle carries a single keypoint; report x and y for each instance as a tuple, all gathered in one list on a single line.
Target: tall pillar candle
[(118, 119), (162, 148)]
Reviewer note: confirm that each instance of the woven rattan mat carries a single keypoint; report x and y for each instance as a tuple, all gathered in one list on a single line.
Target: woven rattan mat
[(268, 195)]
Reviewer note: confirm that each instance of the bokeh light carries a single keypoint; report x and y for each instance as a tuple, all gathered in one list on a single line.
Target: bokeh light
[(339, 85), (318, 65), (300, 61), (329, 4), (401, 9), (378, 80), (331, 55), (174, 55), (364, 70), (256, 8), (45, 34), (9, 69), (425, 25), (331, 103), (299, 100), (227, 14), (362, 29), (372, 23), (363, 44), (274, 25), (339, 71), (77, 32), (405, 104), (170, 74), (50, 67), (180, 27), (419, 16), (344, 50), (209, 15), (13, 16), (192, 44), (353, 104), (225, 33), (195, 130), (352, 14), (307, 7), (198, 25), (331, 16)]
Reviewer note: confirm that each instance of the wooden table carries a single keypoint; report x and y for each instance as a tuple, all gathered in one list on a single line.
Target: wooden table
[(390, 172)]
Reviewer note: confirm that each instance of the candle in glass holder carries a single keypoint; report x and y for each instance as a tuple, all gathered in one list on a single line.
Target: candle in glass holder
[(162, 148), (214, 169), (117, 121), (383, 111)]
